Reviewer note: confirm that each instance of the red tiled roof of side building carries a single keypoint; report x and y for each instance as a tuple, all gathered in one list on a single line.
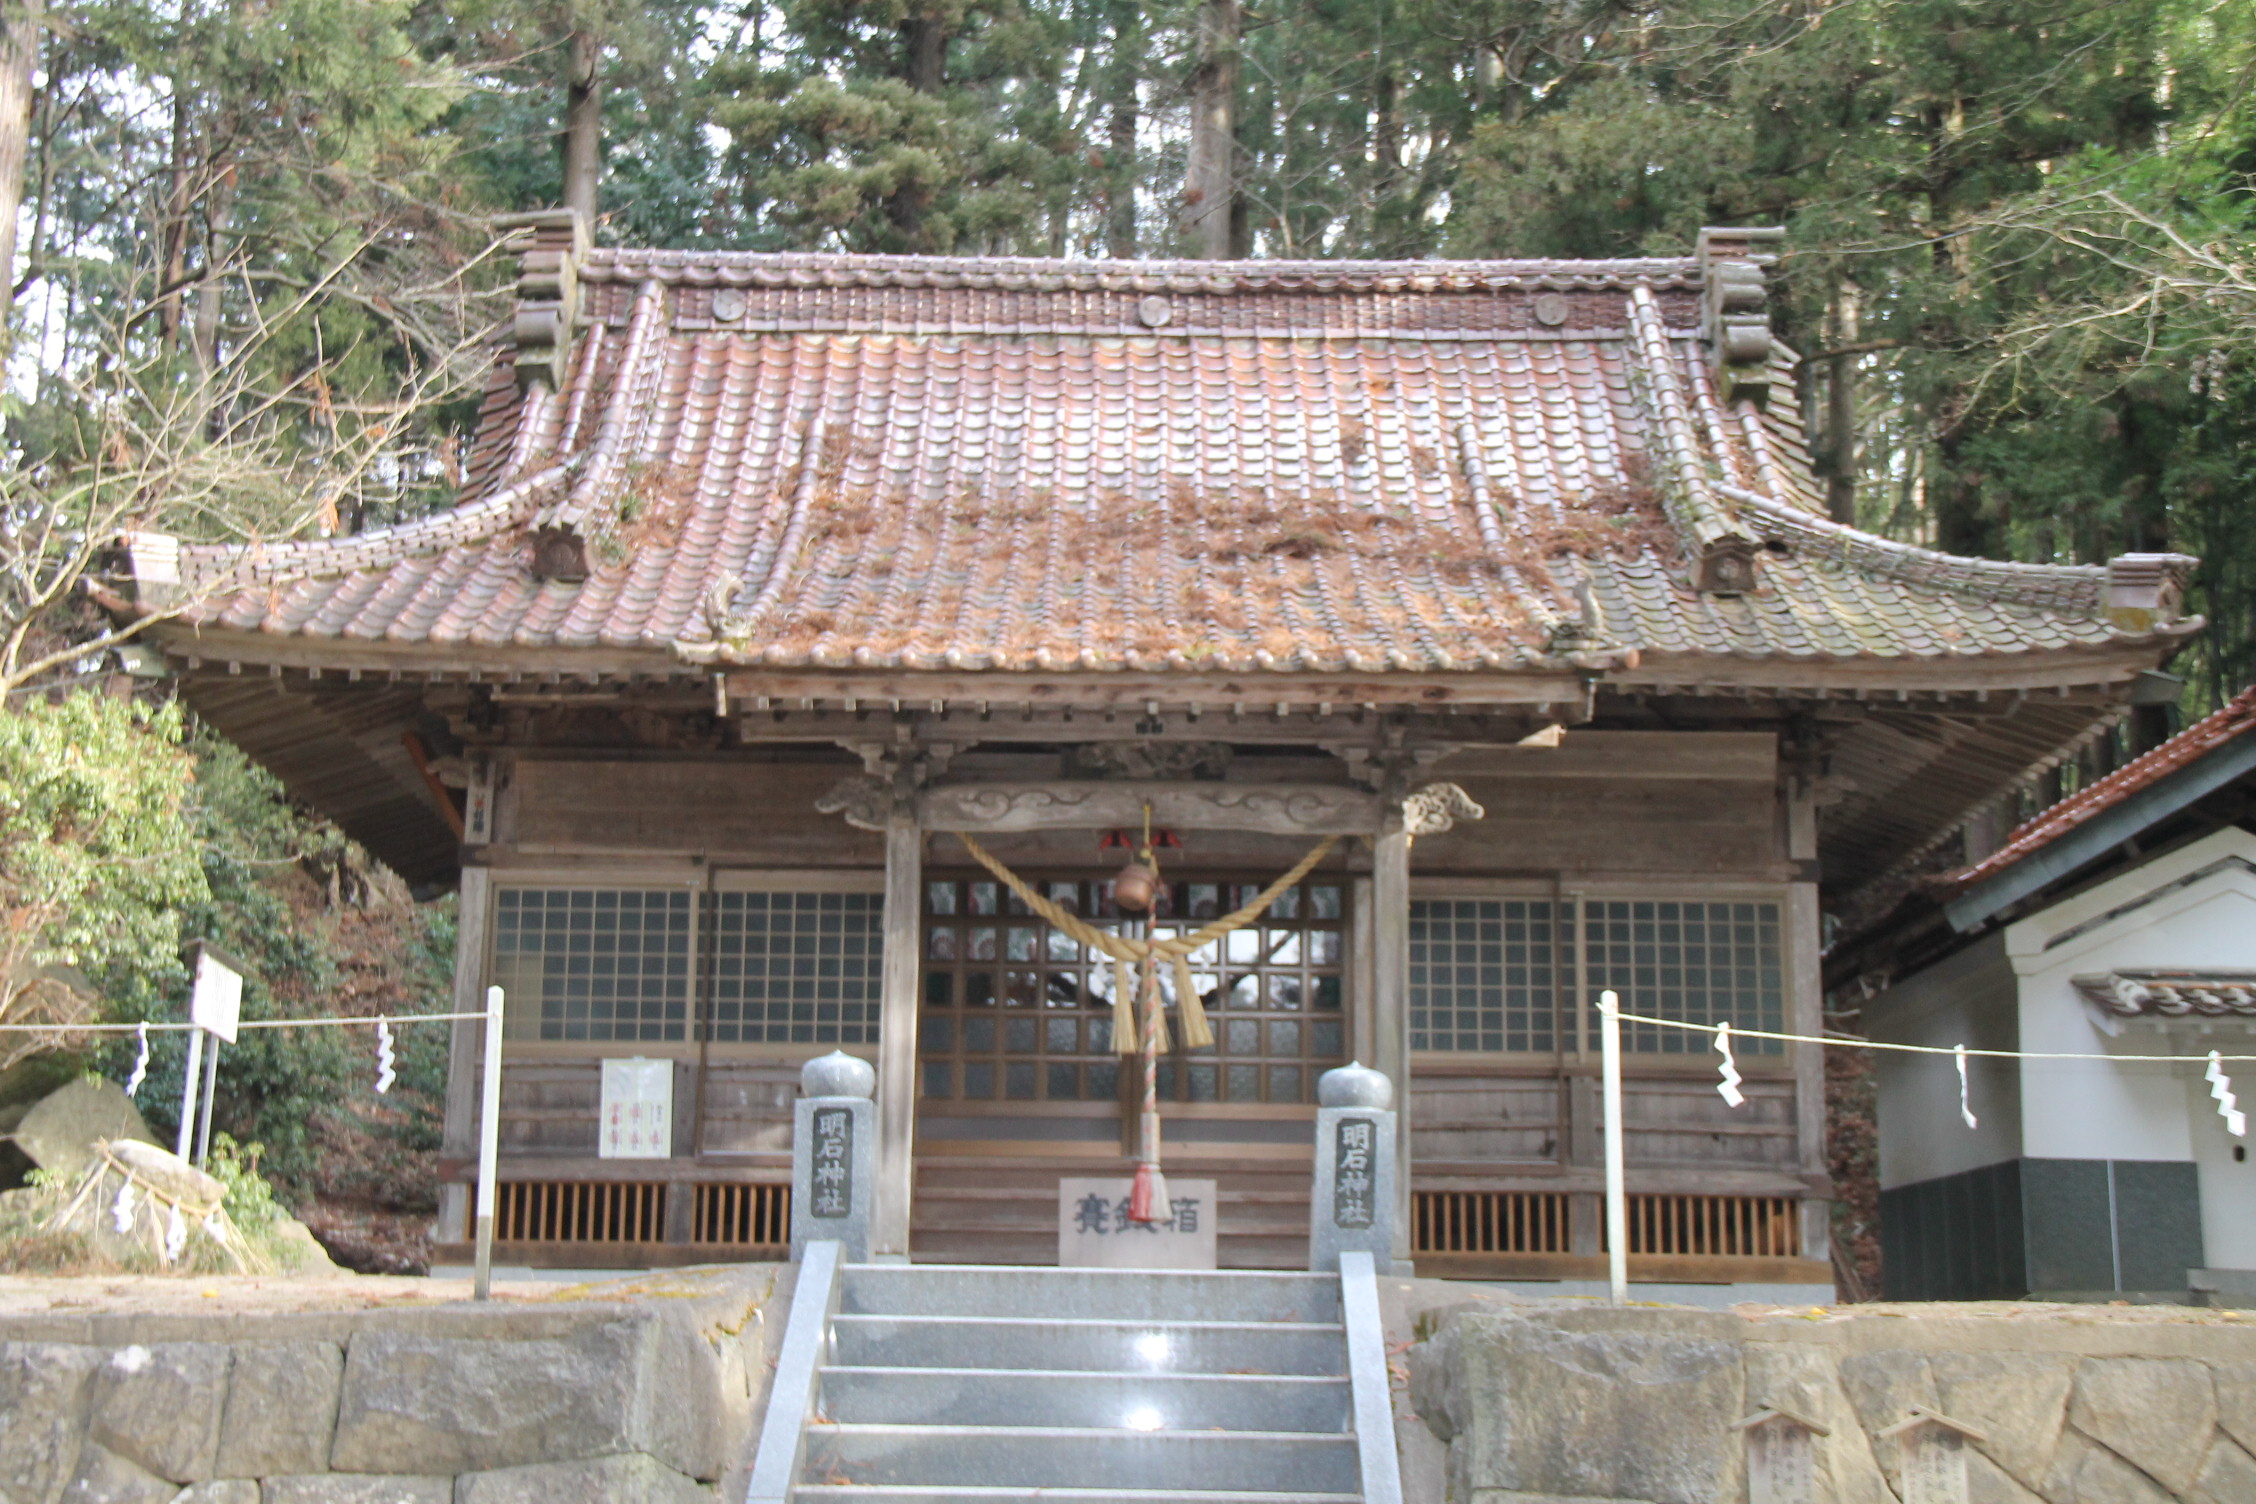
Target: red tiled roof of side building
[(2235, 719)]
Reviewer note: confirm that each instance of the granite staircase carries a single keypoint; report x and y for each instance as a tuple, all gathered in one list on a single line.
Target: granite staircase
[(952, 1384)]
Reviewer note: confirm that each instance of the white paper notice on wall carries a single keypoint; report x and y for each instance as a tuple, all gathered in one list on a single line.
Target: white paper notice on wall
[(638, 1110)]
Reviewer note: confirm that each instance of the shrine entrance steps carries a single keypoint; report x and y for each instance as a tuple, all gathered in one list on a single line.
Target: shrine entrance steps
[(998, 1204), (962, 1383)]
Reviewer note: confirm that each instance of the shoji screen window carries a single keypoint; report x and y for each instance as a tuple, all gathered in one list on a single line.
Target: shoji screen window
[(1704, 962), (1484, 974), (795, 967), (595, 964)]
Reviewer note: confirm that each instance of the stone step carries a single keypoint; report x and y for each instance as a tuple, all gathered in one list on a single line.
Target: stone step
[(1089, 1345), (1077, 1457), (1114, 1294), (916, 1493), (1028, 1249), (1152, 1400)]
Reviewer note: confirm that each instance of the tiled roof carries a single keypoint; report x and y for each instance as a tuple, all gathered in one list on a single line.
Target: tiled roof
[(2234, 720), (2172, 994), (860, 462)]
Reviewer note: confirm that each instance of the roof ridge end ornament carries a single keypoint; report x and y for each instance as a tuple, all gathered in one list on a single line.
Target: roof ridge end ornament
[(1735, 307), (2145, 591), (550, 245)]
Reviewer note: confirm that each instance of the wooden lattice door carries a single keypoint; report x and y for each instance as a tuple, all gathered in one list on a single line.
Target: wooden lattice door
[(1015, 1011)]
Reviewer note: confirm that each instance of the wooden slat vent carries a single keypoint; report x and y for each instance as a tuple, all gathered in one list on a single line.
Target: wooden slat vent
[(1747, 1227), (580, 1211), (1490, 1221), (737, 1215)]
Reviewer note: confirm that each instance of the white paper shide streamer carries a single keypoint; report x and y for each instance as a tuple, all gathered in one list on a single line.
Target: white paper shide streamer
[(121, 1210), (176, 1234), (1728, 1087), (385, 1075), (1965, 1108), (2228, 1106), (140, 1061)]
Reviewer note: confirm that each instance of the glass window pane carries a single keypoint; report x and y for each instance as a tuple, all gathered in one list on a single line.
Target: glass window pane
[(1699, 962), (1481, 975), (804, 966), (603, 964)]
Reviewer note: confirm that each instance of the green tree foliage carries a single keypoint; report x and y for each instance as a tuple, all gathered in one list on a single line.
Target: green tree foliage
[(97, 856), (295, 902), (907, 125)]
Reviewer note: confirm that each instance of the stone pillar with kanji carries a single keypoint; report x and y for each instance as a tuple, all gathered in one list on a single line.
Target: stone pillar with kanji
[(834, 1155), (1355, 1196)]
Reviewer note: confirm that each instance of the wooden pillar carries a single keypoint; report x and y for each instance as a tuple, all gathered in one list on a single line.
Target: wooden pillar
[(460, 1139), (897, 1034), (1805, 1012), (1390, 994)]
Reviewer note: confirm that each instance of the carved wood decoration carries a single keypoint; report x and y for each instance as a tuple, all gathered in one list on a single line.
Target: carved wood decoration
[(1280, 809)]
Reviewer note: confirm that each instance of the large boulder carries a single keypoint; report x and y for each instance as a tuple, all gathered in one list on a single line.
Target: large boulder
[(60, 1133), (1591, 1404)]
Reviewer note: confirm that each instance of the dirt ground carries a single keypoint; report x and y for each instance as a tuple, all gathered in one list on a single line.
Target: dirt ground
[(32, 1294)]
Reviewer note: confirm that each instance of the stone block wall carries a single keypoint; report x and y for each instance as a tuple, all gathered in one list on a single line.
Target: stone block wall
[(643, 1393), (1596, 1406)]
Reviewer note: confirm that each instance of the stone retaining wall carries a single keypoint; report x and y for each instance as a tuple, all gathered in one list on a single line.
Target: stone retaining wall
[(1591, 1406), (643, 1391)]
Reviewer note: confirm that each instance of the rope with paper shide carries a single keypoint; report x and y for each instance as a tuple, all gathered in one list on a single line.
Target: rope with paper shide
[(1148, 1200), (1127, 952)]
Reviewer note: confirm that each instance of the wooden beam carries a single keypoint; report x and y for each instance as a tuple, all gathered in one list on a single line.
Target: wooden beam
[(1130, 693), (1269, 809)]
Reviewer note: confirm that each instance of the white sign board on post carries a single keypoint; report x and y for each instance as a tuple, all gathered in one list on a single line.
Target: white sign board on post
[(216, 1004), (637, 1110), (1094, 1231)]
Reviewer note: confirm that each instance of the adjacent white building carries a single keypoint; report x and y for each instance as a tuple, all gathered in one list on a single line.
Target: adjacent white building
[(2119, 925)]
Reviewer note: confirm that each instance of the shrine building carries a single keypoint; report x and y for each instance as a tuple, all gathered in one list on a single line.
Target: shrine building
[(772, 576)]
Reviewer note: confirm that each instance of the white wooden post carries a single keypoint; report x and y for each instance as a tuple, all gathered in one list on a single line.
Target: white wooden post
[(204, 1116), (190, 1079), (489, 1147), (1617, 1195), (897, 1035), (1390, 997)]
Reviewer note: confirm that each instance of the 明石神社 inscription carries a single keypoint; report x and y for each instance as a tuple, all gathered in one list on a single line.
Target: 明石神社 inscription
[(834, 1162), (1353, 1140)]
